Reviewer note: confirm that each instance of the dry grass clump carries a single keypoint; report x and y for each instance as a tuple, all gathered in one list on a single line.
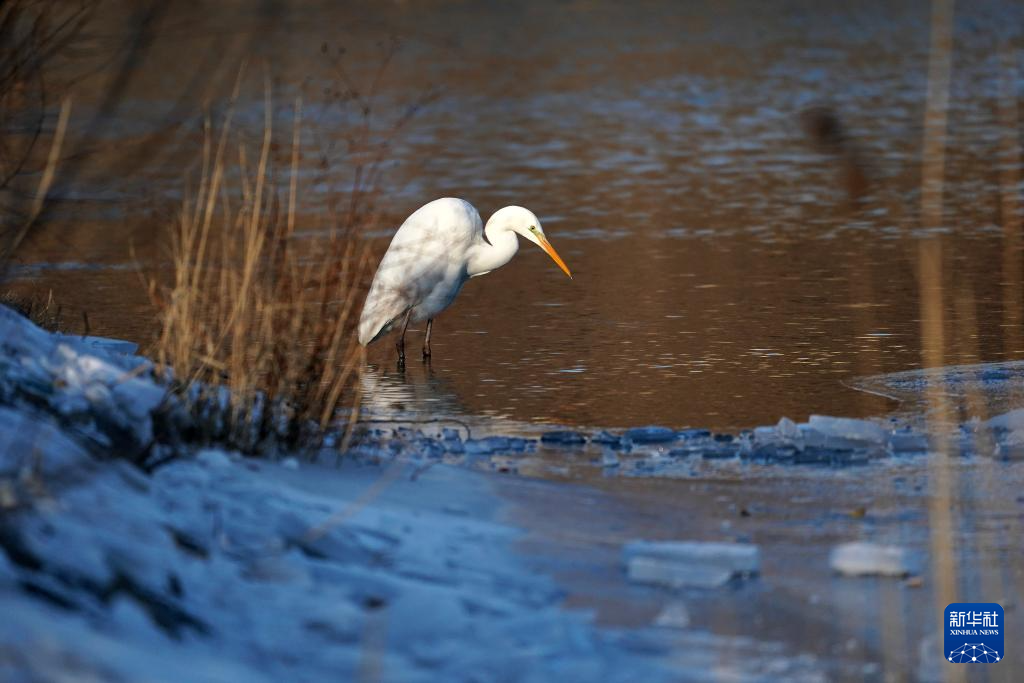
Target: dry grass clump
[(257, 322)]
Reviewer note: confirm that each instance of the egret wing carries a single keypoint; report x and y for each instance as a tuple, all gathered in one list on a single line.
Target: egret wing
[(426, 254)]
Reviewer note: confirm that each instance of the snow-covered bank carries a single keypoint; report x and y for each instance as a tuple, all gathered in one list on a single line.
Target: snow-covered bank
[(221, 568), (413, 560), (215, 569)]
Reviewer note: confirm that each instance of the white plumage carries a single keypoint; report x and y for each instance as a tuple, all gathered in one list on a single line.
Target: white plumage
[(434, 252)]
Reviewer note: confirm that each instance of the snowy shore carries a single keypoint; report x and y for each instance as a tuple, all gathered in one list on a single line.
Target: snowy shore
[(398, 564), (219, 568)]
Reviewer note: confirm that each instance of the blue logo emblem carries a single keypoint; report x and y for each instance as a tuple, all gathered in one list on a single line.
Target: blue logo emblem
[(974, 633)]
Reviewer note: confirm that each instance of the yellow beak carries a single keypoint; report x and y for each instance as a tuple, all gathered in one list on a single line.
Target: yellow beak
[(546, 246)]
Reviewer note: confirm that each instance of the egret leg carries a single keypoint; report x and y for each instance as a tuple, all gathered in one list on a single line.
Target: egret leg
[(426, 339), (400, 344)]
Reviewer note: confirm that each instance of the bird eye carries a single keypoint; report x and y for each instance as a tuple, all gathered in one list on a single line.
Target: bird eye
[(533, 228)]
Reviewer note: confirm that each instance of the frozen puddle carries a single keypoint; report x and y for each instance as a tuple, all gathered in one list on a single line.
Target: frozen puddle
[(678, 564), (998, 386)]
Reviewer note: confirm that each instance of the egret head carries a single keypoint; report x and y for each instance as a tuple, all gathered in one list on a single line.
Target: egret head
[(524, 222)]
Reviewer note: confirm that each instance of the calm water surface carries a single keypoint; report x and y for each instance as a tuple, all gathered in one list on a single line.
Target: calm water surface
[(724, 274)]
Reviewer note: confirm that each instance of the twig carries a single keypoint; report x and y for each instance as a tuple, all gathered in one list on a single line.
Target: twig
[(44, 183)]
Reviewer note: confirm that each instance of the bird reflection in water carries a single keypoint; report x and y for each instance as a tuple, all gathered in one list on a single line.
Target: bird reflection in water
[(408, 394)]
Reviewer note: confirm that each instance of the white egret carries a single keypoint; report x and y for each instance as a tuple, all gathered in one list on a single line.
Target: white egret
[(438, 248)]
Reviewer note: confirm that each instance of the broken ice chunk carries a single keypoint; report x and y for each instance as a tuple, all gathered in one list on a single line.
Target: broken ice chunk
[(605, 437), (776, 443), (486, 445), (1008, 429), (860, 558), (682, 564), (788, 431), (908, 442), (719, 451), (563, 438), (651, 434), (842, 433), (1010, 422)]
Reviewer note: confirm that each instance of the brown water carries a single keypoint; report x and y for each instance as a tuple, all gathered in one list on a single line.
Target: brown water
[(727, 270)]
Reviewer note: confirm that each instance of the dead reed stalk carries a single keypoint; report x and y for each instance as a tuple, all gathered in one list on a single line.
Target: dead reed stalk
[(941, 513), (33, 34), (1009, 201)]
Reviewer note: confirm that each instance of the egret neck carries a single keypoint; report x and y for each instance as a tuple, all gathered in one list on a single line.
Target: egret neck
[(500, 245)]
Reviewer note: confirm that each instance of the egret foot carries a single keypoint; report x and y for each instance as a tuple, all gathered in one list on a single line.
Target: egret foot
[(400, 344), (426, 339), (401, 355)]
